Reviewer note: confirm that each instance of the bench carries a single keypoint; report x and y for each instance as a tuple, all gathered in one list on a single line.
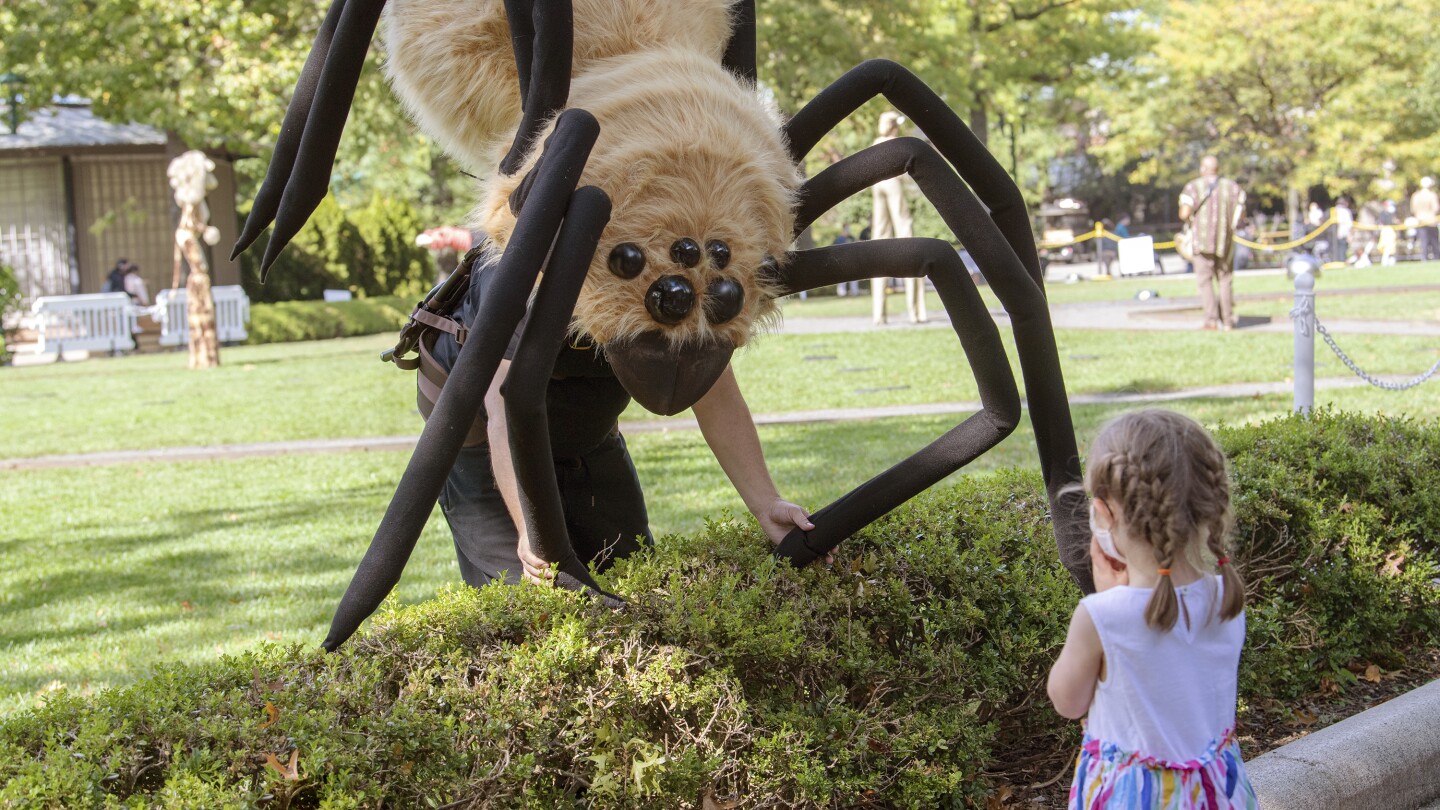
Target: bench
[(103, 322), (232, 312)]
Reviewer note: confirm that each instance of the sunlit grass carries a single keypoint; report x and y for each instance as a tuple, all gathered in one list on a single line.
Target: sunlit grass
[(339, 388), (112, 570)]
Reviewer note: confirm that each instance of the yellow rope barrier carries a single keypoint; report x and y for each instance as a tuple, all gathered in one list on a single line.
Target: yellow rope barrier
[(1101, 232)]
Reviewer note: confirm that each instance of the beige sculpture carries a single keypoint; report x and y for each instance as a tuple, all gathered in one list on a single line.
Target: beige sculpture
[(891, 220), (192, 175)]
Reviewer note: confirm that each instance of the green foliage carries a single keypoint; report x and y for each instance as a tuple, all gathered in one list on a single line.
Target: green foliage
[(369, 251), (11, 300), (894, 678), (1338, 516), (289, 321), (1289, 94)]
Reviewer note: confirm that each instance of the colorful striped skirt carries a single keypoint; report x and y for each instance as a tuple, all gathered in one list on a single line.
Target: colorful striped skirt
[(1108, 777)]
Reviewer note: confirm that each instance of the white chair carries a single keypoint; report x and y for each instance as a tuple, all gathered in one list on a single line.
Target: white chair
[(232, 312), (90, 322)]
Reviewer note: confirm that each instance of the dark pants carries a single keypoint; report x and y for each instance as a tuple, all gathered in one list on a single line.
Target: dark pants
[(1430, 242), (604, 511), (1210, 269)]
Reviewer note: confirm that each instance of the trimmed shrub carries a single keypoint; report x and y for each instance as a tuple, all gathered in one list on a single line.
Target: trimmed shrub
[(289, 321), (1338, 519), (11, 304), (369, 251), (894, 678)]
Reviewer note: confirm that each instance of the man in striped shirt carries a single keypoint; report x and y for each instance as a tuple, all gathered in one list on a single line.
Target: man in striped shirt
[(1212, 207)]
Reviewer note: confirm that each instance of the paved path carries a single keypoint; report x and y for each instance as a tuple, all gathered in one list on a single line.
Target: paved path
[(393, 443)]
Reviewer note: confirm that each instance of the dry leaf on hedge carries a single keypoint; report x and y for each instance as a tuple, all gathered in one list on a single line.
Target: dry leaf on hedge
[(1372, 674), (1393, 561), (288, 772), (272, 715), (710, 802)]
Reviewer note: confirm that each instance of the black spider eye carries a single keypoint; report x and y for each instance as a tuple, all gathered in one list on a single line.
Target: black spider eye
[(627, 260), (719, 253), (686, 252), (723, 300), (670, 299)]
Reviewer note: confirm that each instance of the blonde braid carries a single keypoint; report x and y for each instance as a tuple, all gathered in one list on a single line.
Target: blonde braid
[(1156, 517), (1219, 526)]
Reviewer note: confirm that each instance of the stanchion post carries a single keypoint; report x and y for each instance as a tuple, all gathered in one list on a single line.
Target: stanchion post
[(1304, 317)]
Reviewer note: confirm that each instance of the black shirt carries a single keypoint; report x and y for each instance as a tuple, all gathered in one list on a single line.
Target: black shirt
[(584, 399)]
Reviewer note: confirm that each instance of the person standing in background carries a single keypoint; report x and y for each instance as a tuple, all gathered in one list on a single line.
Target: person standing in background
[(1344, 224), (1425, 207), (892, 221), (1213, 207)]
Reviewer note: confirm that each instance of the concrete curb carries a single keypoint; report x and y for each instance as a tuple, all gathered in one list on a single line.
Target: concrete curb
[(1388, 756)]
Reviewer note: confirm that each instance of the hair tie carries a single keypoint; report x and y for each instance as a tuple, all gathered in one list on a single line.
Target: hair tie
[(1222, 561), (1164, 572)]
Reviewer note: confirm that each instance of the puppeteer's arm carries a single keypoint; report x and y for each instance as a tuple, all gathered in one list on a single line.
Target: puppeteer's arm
[(498, 437), (728, 428)]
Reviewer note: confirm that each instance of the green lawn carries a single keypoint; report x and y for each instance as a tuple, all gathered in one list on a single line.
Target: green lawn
[(338, 388), (112, 570), (1170, 286)]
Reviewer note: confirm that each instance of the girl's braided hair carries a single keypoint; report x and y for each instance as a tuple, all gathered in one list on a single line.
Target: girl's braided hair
[(1167, 476)]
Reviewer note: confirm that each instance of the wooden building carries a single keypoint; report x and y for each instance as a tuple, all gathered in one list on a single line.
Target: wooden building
[(77, 193)]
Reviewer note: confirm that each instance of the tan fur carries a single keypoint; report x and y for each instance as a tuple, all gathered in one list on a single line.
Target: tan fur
[(452, 64), (684, 149)]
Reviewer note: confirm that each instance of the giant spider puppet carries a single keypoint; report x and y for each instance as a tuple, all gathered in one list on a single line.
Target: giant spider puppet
[(655, 197)]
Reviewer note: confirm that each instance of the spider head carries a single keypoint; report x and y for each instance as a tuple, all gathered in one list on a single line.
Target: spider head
[(702, 195)]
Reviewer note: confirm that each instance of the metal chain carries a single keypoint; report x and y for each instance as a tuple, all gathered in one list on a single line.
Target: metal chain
[(1375, 381)]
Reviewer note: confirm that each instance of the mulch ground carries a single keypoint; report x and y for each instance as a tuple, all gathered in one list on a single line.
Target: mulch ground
[(1041, 778)]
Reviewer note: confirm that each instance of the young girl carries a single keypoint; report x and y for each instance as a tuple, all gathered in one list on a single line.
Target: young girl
[(1153, 655)]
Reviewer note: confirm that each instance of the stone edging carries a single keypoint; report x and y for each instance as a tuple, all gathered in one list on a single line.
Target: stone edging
[(1388, 756)]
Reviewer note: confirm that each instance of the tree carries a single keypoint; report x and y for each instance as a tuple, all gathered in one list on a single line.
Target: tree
[(1016, 63), (1289, 93), (217, 74)]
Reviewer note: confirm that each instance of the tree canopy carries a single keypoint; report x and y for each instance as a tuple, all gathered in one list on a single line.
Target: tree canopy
[(1290, 94)]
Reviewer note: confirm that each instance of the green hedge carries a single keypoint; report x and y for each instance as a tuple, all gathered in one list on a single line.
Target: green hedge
[(289, 321), (369, 251), (894, 678)]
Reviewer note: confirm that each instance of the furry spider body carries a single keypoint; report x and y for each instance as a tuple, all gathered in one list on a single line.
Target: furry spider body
[(686, 149), (654, 197)]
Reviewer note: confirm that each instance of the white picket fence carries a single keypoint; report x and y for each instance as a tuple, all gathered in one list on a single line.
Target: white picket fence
[(232, 312), (103, 322)]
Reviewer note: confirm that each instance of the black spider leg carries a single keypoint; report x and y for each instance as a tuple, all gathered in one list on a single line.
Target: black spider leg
[(740, 51), (564, 156), (528, 380), (1013, 270), (979, 337), (308, 178), (542, 33), (282, 161)]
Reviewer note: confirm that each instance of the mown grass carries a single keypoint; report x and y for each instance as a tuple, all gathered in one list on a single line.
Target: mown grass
[(112, 570), (1175, 285), (339, 389)]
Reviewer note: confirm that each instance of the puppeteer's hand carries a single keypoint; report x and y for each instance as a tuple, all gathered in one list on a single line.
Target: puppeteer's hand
[(1107, 571), (782, 517), (536, 569)]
